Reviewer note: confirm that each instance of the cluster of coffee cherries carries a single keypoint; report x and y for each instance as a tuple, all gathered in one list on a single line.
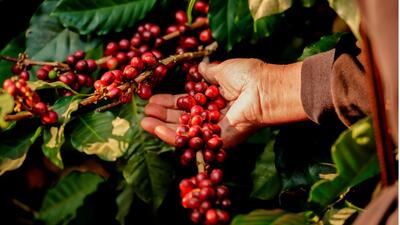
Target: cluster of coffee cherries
[(206, 197), (199, 129), (128, 59), (199, 132), (26, 98), (78, 75)]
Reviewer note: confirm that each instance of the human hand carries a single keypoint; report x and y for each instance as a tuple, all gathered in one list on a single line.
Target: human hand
[(259, 94)]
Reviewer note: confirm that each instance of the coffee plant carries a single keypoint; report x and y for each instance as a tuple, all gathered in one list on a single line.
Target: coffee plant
[(74, 86)]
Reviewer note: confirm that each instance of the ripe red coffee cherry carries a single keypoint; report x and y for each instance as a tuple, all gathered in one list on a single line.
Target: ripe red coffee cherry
[(209, 155), (181, 17), (71, 60), (15, 69), (188, 102), (211, 217), (196, 143), (42, 74), (216, 176), (190, 43), (155, 30), (50, 117), (10, 87), (222, 192), (196, 76), (92, 65), (144, 91), (201, 7), (205, 36), (160, 71), (214, 116), (201, 176), (201, 99), (149, 59), (158, 42), (141, 29), (194, 203), (40, 108), (181, 141), (114, 93), (200, 87), (146, 35), (81, 66), (130, 72), (189, 86), (214, 143), (220, 102), (184, 118), (89, 81), (121, 57), (124, 44), (194, 131), (108, 78), (99, 84), (207, 193), (212, 106), (185, 186), (196, 120), (196, 217), (171, 29), (80, 54), (221, 156), (112, 63), (81, 79), (223, 216), (205, 183), (196, 110), (111, 49), (131, 54), (24, 75), (157, 54), (212, 92), (182, 130), (137, 63), (136, 41), (207, 134), (64, 78), (183, 28), (188, 155)]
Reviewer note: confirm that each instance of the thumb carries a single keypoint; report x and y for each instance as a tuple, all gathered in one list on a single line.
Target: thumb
[(209, 71)]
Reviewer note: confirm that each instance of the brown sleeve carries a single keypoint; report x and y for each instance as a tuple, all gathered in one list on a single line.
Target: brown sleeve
[(333, 85)]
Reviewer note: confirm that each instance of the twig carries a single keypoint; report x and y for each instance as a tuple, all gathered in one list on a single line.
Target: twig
[(108, 106), (201, 165), (197, 24), (19, 116), (29, 62)]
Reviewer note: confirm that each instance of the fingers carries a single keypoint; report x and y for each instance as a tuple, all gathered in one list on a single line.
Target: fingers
[(165, 131), (166, 100), (162, 113), (209, 72)]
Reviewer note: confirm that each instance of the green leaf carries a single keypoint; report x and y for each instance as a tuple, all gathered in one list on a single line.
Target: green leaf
[(265, 26), (48, 40), (14, 145), (266, 181), (102, 16), (40, 84), (270, 217), (53, 137), (149, 174), (230, 21), (13, 48), (6, 107), (62, 201), (124, 201), (102, 134), (324, 44), (262, 8), (355, 157), (349, 12)]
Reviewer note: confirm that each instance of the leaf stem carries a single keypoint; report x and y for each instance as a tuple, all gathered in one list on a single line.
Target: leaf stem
[(197, 24), (18, 116)]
